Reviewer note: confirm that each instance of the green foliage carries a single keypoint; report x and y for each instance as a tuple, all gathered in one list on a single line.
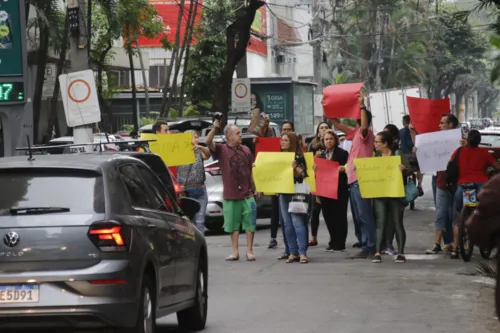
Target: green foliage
[(127, 128), (191, 111), (147, 121), (173, 113), (138, 18), (208, 56)]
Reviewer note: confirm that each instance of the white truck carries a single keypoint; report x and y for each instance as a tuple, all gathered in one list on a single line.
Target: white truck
[(389, 106)]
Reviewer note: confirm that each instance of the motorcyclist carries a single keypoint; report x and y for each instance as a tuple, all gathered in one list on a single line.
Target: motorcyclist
[(483, 227)]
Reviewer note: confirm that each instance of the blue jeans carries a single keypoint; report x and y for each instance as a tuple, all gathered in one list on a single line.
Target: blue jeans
[(459, 196), (295, 227), (199, 194), (444, 214), (434, 182), (363, 214), (357, 228)]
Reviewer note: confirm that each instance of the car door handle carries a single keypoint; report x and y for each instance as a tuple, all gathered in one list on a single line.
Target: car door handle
[(151, 226)]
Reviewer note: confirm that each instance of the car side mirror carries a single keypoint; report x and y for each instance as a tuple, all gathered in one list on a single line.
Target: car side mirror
[(190, 207)]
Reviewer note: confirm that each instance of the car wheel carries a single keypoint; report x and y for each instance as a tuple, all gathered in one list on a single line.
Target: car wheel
[(146, 319), (195, 317)]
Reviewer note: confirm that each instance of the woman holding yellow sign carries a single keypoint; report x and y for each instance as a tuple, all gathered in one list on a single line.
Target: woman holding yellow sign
[(295, 219), (388, 209)]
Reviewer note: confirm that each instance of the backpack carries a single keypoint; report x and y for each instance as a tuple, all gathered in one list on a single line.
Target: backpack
[(451, 173)]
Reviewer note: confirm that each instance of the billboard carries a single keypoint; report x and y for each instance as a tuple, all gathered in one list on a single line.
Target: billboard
[(11, 60), (168, 12), (259, 26)]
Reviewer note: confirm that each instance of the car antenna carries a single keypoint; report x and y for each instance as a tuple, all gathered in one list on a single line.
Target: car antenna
[(30, 152)]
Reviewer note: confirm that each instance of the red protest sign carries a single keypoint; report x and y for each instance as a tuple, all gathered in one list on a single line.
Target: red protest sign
[(270, 145), (341, 101), (327, 178), (425, 114)]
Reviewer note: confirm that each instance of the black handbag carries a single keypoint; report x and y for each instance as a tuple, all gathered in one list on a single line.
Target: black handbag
[(451, 173)]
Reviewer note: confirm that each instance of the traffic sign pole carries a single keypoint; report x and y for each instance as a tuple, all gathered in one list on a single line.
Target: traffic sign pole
[(79, 55)]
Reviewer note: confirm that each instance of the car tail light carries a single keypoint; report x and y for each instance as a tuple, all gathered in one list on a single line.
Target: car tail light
[(109, 237), (213, 169), (107, 281)]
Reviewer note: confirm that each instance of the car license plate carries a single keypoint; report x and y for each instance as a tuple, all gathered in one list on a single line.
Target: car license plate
[(19, 294)]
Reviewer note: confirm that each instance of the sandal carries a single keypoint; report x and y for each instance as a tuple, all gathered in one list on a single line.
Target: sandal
[(303, 260), (232, 258), (284, 256), (292, 259), (454, 254), (250, 257)]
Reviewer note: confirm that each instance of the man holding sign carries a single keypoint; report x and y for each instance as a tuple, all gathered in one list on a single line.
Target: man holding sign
[(362, 146), (239, 207)]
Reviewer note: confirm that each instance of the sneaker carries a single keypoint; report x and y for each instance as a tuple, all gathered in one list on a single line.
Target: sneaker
[(329, 249), (420, 191), (356, 245), (400, 258), (434, 250), (377, 259), (390, 251), (360, 255), (273, 244)]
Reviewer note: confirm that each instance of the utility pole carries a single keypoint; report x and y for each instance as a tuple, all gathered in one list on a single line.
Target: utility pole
[(317, 32), (79, 55)]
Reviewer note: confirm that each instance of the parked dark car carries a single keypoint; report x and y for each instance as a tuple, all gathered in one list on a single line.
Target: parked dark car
[(94, 241), (181, 125)]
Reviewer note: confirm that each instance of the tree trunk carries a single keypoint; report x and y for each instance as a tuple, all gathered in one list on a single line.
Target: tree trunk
[(130, 52), (42, 56), (237, 37), (185, 43), (105, 110), (143, 71), (54, 102), (175, 51)]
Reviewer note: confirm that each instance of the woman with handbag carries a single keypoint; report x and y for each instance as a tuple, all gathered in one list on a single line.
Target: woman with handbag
[(335, 210), (192, 177), (389, 209), (315, 146), (294, 207)]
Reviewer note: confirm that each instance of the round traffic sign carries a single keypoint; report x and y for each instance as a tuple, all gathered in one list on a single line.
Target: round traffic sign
[(240, 90), (75, 98)]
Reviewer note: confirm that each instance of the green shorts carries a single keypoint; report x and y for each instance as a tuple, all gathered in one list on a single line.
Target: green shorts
[(239, 213)]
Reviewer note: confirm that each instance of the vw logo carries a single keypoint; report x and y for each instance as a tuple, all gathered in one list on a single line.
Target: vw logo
[(11, 239)]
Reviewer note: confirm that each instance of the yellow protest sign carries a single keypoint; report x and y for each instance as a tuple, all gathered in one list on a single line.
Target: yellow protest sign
[(174, 149), (380, 177), (273, 172), (311, 179)]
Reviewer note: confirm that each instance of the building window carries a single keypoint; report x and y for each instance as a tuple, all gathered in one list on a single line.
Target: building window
[(157, 74), (119, 78)]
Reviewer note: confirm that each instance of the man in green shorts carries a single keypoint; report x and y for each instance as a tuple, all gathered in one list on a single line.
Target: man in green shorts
[(239, 207)]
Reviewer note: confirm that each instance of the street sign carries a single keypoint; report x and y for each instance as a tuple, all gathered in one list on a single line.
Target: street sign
[(240, 95), (11, 50), (50, 81), (79, 97)]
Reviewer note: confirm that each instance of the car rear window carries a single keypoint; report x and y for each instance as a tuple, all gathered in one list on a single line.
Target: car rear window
[(79, 190), (490, 139)]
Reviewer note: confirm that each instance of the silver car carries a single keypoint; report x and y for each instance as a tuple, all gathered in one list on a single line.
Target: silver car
[(214, 217), (93, 241)]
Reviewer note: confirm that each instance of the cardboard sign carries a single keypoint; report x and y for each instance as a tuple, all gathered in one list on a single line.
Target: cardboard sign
[(341, 101), (425, 114)]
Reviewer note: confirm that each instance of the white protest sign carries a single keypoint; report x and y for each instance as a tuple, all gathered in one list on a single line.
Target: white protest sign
[(434, 149)]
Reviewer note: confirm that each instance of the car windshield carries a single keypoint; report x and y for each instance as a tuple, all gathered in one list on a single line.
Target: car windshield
[(490, 139), (80, 191)]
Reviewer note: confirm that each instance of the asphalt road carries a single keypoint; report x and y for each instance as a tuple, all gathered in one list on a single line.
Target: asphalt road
[(336, 294)]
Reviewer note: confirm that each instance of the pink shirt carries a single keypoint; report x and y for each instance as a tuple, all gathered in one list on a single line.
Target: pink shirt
[(361, 147)]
